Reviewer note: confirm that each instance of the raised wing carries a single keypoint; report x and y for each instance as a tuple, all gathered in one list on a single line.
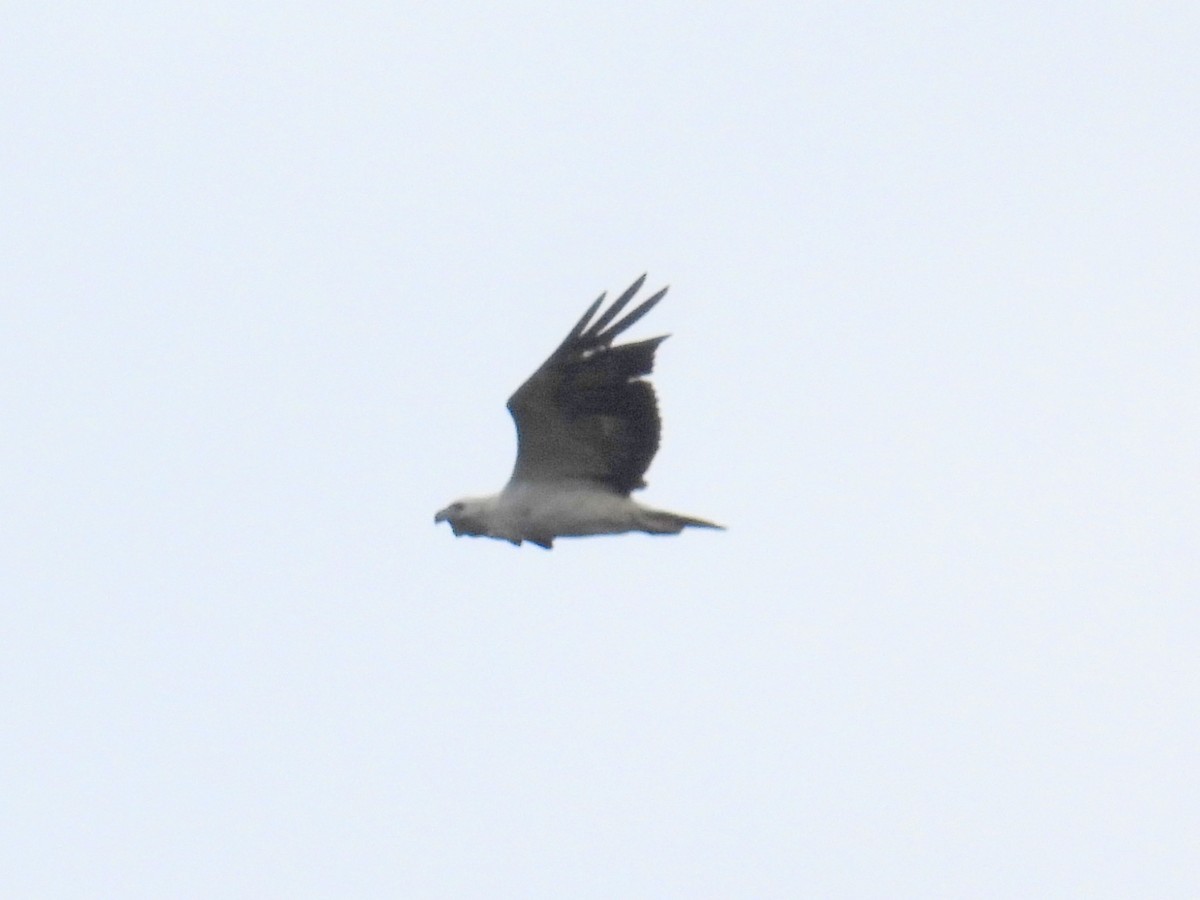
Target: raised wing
[(586, 414)]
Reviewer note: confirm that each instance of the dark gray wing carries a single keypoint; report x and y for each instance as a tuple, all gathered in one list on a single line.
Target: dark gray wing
[(586, 414)]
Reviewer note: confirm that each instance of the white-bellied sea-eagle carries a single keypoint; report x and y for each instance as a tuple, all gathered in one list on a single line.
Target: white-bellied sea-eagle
[(587, 429)]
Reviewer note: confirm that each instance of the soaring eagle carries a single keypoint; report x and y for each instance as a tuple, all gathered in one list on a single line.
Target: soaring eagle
[(587, 429)]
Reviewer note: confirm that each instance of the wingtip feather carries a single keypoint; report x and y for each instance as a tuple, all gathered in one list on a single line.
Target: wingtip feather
[(582, 324), (595, 332)]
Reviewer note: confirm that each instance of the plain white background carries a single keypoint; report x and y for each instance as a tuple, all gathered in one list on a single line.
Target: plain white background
[(270, 272)]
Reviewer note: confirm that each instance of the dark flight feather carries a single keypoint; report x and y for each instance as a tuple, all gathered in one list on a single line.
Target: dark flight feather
[(586, 414)]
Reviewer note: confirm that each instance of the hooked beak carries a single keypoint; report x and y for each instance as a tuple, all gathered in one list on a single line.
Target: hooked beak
[(442, 515)]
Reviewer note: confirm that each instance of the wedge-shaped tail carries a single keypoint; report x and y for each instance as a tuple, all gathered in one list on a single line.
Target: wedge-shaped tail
[(657, 521)]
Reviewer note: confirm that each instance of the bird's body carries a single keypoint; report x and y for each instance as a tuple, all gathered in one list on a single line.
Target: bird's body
[(539, 514), (587, 429)]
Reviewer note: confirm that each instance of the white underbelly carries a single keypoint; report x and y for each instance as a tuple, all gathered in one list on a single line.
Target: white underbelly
[(571, 513)]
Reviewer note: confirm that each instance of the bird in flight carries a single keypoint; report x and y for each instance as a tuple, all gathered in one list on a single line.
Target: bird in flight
[(587, 429)]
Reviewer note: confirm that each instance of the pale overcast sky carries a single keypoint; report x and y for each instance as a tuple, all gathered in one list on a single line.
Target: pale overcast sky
[(271, 271)]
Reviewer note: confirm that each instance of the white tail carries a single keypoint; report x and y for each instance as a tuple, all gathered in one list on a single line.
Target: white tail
[(657, 521)]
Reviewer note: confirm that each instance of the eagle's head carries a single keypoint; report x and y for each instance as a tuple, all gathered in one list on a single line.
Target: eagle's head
[(469, 516)]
